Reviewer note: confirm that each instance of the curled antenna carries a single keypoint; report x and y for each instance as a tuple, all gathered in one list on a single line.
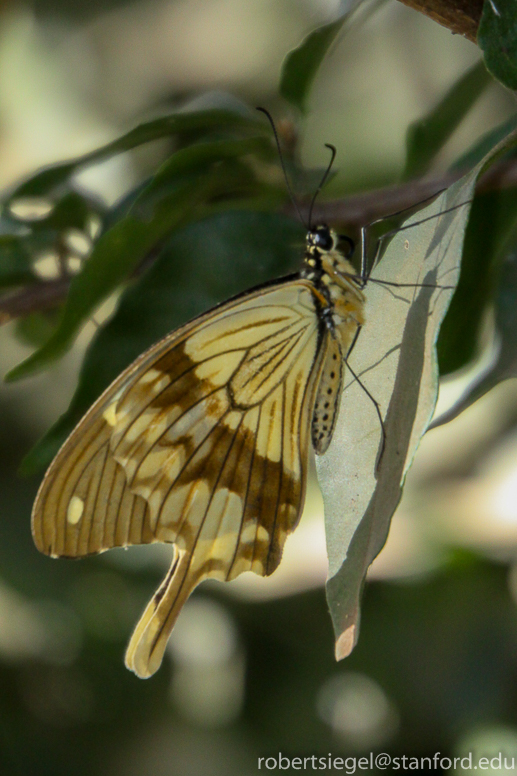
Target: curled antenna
[(289, 189), (323, 180)]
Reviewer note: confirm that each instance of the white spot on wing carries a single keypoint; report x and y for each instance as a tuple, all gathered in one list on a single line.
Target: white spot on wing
[(75, 510)]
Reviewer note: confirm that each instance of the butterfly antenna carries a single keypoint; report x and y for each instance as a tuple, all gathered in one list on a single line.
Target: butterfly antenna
[(323, 180), (287, 182)]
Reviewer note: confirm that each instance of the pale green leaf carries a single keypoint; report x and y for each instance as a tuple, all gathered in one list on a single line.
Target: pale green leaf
[(395, 358)]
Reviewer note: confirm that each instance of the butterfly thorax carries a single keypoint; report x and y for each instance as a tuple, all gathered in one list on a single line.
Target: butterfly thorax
[(336, 280), (339, 302)]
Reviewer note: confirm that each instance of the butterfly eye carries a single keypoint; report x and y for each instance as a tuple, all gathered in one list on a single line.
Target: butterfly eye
[(322, 238)]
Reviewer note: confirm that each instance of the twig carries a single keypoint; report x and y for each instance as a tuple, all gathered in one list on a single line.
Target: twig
[(362, 209), (41, 296), (354, 211), (461, 17)]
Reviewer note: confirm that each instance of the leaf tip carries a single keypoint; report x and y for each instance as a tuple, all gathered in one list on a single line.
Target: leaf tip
[(15, 374), (346, 642)]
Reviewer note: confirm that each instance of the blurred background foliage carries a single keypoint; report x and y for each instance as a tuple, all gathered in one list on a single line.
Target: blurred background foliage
[(173, 201)]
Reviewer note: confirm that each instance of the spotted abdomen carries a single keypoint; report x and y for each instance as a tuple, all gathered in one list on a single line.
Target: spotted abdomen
[(326, 406)]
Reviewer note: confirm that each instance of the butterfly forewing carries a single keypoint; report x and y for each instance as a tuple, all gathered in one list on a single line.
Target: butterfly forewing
[(202, 443), (85, 505)]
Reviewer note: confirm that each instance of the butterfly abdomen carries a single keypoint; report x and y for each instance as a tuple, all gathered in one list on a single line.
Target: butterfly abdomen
[(341, 315), (326, 406)]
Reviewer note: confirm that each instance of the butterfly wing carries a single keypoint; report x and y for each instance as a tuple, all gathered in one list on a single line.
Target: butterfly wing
[(201, 443)]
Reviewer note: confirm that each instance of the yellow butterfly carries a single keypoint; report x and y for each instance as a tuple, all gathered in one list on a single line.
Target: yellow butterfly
[(203, 441)]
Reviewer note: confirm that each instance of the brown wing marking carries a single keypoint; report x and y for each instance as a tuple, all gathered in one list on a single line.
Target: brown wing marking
[(163, 419), (202, 442), (256, 464), (117, 516)]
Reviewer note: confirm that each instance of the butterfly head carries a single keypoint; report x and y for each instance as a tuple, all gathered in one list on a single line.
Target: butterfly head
[(320, 240), (327, 266)]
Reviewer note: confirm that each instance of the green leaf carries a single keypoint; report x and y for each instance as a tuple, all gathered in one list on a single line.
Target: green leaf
[(36, 328), (492, 219), (15, 261), (300, 66), (24, 240), (482, 147), (504, 365), (497, 38), (47, 180), (395, 359), (200, 265), (187, 180), (72, 211), (427, 136)]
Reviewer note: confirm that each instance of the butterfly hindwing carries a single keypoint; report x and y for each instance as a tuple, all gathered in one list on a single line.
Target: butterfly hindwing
[(202, 443)]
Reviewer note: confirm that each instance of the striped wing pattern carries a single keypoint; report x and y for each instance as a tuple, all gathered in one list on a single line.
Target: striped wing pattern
[(201, 443)]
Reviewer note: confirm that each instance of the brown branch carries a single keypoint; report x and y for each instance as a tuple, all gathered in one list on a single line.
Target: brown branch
[(354, 211), (461, 17), (363, 209), (36, 298)]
